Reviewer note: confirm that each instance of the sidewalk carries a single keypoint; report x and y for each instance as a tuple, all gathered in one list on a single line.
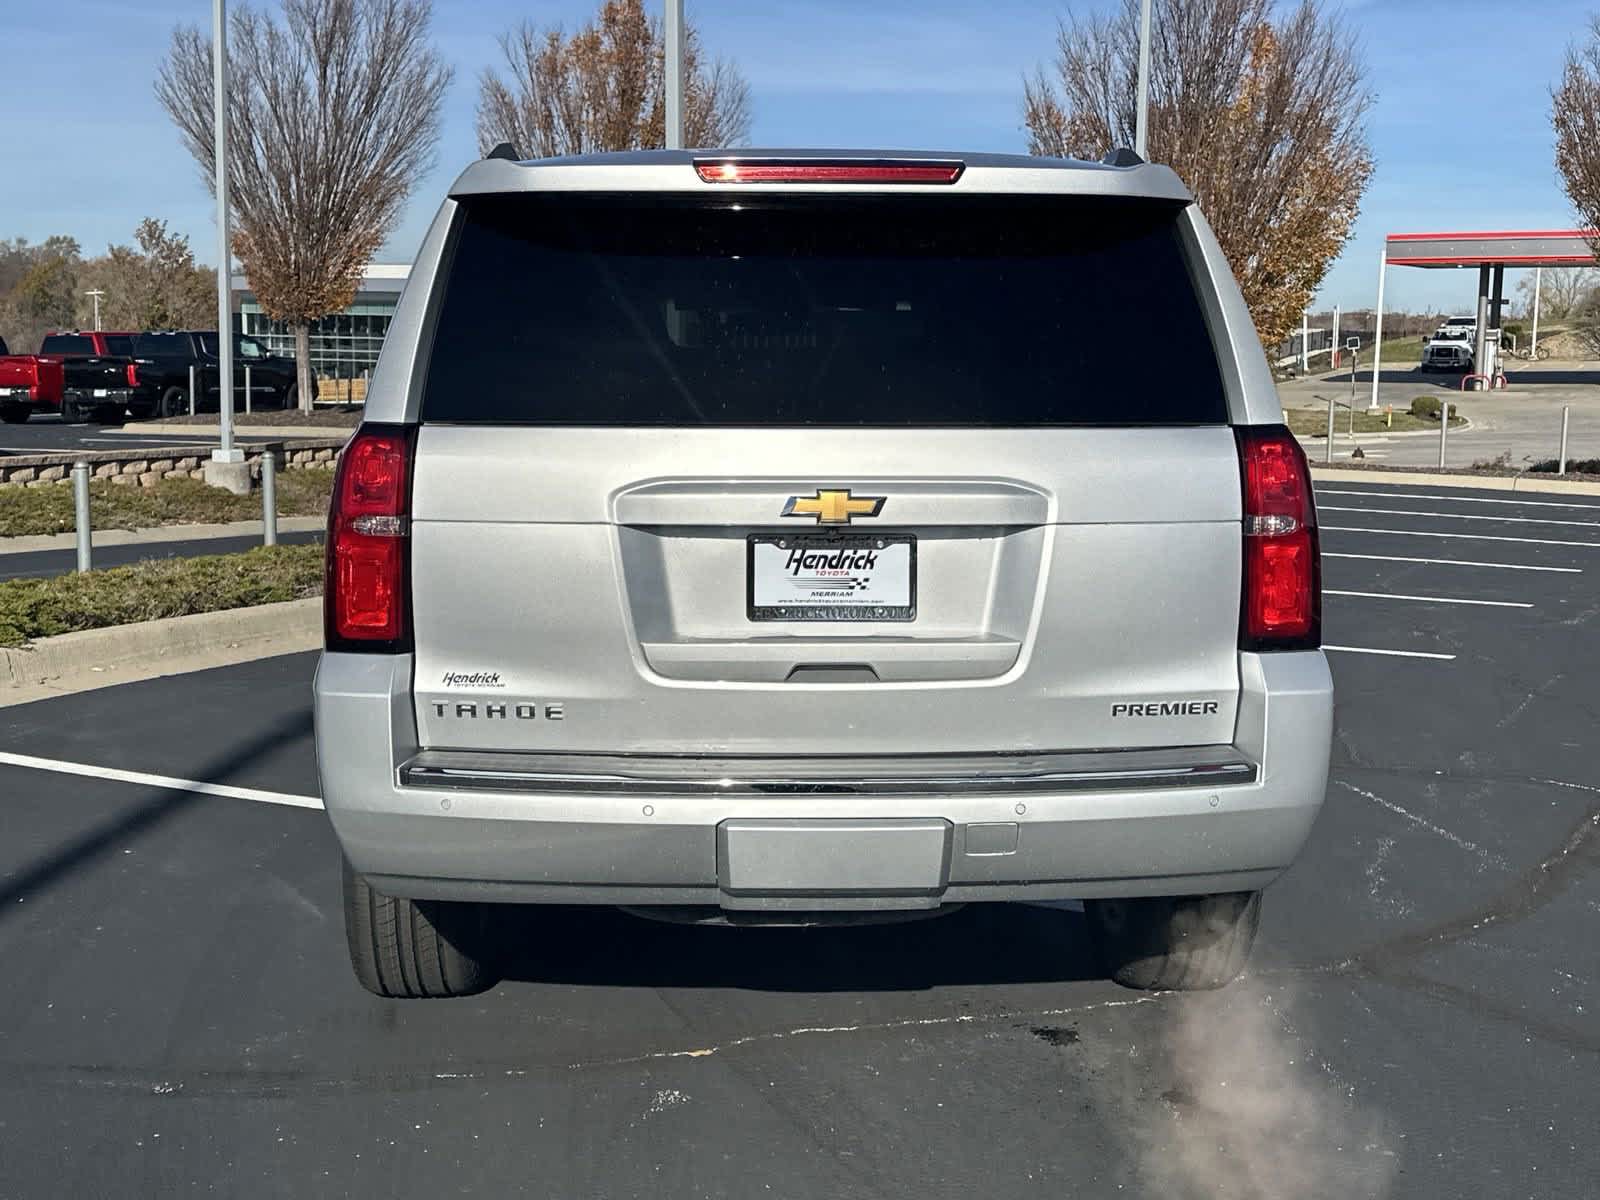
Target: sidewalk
[(157, 533)]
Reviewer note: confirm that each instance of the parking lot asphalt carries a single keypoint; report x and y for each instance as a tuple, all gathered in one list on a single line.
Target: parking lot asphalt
[(47, 435), (1420, 1019), (36, 563)]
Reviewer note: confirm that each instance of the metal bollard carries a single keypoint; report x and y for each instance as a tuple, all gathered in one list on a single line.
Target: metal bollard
[(1444, 430), (191, 389), (1328, 453), (1561, 463), (80, 506), (269, 497), (247, 389)]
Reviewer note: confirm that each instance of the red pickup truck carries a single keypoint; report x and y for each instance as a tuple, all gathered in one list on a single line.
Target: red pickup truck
[(28, 384), (68, 373)]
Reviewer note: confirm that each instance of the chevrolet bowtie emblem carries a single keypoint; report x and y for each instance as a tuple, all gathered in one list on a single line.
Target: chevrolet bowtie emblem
[(833, 508)]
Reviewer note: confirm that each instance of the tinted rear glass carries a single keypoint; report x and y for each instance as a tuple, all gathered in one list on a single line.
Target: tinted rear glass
[(819, 311), (67, 343), (119, 344), (162, 343)]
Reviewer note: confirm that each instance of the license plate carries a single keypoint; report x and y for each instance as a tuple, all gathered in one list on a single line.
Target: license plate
[(832, 577), (99, 393)]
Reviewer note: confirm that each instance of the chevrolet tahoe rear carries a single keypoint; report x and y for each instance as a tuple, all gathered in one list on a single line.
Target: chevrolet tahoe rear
[(755, 536)]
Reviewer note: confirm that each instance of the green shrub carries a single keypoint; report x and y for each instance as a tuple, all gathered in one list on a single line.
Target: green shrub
[(161, 587), (1426, 408)]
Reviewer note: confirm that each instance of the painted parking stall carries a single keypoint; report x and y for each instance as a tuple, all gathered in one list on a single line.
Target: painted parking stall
[(1426, 573)]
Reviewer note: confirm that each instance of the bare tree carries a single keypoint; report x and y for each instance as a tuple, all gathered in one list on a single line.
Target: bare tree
[(1575, 115), (604, 89), (1262, 119), (1561, 291), (332, 117), (154, 285)]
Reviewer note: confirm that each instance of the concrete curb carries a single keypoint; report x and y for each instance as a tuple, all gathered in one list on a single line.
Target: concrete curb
[(1487, 483), (156, 533), (94, 658)]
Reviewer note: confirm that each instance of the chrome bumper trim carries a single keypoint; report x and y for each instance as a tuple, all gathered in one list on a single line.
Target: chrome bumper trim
[(964, 774)]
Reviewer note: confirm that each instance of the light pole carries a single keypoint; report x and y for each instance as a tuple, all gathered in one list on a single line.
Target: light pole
[(226, 452), (674, 74), (96, 293), (1141, 120)]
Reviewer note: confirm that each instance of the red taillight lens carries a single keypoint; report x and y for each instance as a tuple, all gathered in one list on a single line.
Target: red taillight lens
[(1282, 600), (366, 600), (133, 375), (757, 171)]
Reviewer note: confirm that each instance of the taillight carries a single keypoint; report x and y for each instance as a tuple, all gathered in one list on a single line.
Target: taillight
[(859, 171), (366, 596), (1282, 598), (133, 375)]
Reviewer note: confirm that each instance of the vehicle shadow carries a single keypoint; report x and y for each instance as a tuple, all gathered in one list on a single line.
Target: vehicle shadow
[(979, 944), (1515, 377)]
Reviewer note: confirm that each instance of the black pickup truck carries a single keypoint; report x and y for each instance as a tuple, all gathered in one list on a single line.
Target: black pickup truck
[(98, 371), (163, 361)]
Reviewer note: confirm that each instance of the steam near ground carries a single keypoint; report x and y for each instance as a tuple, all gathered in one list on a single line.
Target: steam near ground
[(1246, 1110)]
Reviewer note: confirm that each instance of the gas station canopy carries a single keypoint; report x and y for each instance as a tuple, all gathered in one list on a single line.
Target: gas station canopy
[(1537, 248), (1491, 252)]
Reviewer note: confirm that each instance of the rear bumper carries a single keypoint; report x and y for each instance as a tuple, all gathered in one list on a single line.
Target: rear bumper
[(491, 832)]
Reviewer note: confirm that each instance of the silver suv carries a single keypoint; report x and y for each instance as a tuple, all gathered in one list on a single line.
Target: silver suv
[(793, 537)]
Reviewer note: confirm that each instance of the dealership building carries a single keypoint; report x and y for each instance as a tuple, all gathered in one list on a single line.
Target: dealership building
[(342, 345)]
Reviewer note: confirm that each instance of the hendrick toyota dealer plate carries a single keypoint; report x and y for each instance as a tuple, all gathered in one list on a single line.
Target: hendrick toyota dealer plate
[(832, 577)]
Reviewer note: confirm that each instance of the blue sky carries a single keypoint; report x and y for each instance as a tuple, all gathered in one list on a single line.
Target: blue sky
[(1460, 127)]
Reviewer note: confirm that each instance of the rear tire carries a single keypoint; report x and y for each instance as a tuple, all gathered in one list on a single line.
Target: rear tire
[(1175, 943), (291, 398), (15, 414), (414, 949), (72, 414), (174, 403)]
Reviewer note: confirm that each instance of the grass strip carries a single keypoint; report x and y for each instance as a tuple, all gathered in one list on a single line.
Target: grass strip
[(1313, 422), (159, 587), (26, 511)]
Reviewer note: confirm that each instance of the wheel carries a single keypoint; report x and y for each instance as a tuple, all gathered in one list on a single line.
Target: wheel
[(414, 949), (174, 403), (72, 413), (1542, 354), (291, 397), (15, 414), (1176, 943)]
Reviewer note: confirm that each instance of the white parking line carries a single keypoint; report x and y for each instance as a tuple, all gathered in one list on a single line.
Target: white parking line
[(1476, 537), (1458, 499), (166, 782), (1406, 512), (1429, 599), (1454, 562), (1389, 653)]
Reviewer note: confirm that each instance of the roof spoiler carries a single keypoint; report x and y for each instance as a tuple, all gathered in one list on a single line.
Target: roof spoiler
[(1120, 157), (505, 150)]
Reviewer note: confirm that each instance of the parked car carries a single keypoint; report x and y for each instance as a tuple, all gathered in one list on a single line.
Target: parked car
[(81, 375), (166, 357), (752, 539), (28, 384), (99, 374)]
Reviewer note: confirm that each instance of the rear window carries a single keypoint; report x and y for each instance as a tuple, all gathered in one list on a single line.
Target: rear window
[(844, 311), (145, 344), (67, 343), (119, 344)]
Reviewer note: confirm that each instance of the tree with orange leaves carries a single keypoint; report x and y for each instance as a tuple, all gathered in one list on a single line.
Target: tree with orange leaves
[(603, 88), (1261, 118)]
